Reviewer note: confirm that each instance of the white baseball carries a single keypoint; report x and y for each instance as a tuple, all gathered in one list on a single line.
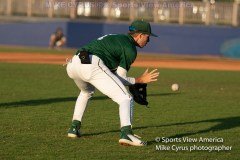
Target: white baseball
[(175, 87)]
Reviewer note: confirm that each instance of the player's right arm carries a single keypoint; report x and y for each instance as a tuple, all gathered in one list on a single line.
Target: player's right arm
[(148, 77), (121, 73)]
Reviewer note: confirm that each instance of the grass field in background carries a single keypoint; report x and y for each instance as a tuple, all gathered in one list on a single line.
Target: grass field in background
[(36, 106), (42, 50), (71, 51)]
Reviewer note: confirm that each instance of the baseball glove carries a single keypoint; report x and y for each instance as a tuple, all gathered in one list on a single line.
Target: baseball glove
[(139, 93)]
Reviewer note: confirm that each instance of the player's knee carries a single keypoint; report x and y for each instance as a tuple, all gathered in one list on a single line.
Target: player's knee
[(123, 99), (87, 94)]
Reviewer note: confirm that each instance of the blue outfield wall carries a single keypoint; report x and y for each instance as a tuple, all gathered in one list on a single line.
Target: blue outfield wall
[(28, 34), (195, 40)]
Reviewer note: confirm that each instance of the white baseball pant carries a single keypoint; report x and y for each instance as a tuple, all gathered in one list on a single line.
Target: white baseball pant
[(97, 75)]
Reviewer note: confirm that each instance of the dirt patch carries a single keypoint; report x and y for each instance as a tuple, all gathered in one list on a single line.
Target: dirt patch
[(211, 64)]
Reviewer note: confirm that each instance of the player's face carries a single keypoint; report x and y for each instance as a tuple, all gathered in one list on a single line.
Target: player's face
[(59, 33), (143, 40)]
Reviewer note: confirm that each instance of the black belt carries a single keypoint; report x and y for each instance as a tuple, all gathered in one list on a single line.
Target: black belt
[(84, 56)]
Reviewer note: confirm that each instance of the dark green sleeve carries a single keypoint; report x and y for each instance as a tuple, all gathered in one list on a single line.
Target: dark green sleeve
[(127, 58)]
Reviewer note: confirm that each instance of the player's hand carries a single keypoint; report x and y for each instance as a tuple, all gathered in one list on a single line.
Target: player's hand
[(148, 77)]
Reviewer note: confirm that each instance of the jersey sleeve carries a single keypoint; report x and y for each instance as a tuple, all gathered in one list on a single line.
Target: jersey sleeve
[(127, 58)]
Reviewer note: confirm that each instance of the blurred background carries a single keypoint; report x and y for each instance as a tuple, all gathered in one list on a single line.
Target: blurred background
[(195, 27)]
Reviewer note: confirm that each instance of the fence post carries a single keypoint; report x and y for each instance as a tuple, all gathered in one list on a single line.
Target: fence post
[(9, 7), (110, 5), (51, 8), (155, 11), (73, 9), (29, 8), (181, 13), (132, 10), (235, 13), (208, 11)]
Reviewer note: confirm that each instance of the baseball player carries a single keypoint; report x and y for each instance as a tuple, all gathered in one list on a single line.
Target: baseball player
[(57, 39), (103, 64)]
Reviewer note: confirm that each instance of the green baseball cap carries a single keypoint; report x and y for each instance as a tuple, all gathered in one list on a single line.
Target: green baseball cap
[(140, 26)]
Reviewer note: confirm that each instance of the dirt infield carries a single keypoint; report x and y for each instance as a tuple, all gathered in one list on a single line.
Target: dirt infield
[(142, 61)]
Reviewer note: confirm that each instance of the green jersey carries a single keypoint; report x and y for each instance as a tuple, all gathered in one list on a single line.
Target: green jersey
[(114, 50)]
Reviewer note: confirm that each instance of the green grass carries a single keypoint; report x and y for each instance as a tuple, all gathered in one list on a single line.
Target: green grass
[(21, 49), (36, 106), (71, 51)]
